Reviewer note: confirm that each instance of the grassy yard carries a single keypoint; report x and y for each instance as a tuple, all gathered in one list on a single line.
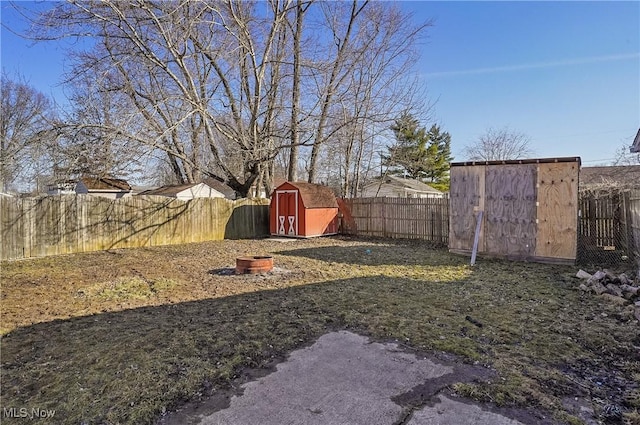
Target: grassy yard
[(121, 337)]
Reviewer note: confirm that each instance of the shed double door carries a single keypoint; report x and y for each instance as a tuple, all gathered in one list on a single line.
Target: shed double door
[(287, 207)]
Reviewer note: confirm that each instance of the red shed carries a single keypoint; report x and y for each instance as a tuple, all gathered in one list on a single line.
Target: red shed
[(303, 210)]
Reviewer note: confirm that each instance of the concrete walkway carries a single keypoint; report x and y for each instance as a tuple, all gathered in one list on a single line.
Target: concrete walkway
[(344, 378)]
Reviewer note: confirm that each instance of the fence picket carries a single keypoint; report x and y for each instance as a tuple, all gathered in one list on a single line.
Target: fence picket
[(406, 218), (68, 224)]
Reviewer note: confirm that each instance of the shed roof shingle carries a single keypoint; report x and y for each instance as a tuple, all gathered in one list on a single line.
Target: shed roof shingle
[(315, 195)]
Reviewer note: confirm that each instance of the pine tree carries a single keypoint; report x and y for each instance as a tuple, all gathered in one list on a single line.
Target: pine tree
[(408, 156), (419, 154), (440, 157)]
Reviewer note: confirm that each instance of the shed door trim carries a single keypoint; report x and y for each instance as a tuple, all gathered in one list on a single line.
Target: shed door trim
[(287, 227)]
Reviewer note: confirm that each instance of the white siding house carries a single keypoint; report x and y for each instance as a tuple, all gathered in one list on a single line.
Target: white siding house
[(398, 187), (67, 187), (186, 191), (105, 187)]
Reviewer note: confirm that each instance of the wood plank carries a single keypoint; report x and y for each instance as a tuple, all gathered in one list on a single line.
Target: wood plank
[(510, 209), (466, 196), (557, 211)]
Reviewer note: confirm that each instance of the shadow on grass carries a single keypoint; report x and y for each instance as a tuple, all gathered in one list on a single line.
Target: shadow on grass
[(129, 366)]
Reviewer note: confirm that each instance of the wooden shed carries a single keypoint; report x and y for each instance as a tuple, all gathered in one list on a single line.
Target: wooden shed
[(529, 208), (303, 210)]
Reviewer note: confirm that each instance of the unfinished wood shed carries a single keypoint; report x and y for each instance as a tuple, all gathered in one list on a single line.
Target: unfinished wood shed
[(529, 208), (303, 210)]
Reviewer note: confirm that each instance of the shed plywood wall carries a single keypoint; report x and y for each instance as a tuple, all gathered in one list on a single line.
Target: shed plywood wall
[(557, 210), (510, 209), (530, 209), (466, 193)]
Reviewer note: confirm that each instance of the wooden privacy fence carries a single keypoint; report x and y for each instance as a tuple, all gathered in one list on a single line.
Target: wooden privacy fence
[(38, 227), (609, 226), (410, 218)]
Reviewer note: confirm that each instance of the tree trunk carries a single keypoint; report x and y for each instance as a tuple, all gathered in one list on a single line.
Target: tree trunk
[(343, 43), (292, 174)]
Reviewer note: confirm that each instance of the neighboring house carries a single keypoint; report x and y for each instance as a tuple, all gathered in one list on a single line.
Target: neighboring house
[(259, 192), (137, 189), (618, 176), (105, 187), (186, 191), (398, 187), (66, 187), (221, 187), (635, 147)]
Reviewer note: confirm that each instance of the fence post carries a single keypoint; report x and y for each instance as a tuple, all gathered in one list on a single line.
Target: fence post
[(29, 225), (433, 225), (384, 219), (627, 228), (476, 238)]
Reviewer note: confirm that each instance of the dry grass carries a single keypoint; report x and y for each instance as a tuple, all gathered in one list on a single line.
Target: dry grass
[(120, 337)]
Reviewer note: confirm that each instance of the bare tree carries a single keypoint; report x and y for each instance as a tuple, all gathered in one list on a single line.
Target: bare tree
[(369, 81), (502, 144), (625, 157), (224, 87), (197, 77), (296, 27), (25, 116), (84, 144)]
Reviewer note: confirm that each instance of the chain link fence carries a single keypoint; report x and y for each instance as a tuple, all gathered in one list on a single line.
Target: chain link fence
[(608, 227)]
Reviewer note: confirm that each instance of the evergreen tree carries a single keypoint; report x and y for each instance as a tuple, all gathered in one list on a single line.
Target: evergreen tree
[(420, 154), (408, 157), (440, 157)]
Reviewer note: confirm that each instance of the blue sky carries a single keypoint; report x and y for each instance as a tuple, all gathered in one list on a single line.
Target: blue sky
[(567, 74)]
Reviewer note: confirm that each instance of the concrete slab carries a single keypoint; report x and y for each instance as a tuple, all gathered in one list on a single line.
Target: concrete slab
[(341, 379), (344, 378), (449, 412), (281, 240)]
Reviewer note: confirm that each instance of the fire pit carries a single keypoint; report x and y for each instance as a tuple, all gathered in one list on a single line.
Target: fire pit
[(254, 265)]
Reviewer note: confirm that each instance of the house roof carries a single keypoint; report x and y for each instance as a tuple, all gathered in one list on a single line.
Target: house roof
[(140, 189), (314, 195), (635, 147), (402, 183), (105, 183), (169, 190), (620, 176), (220, 187)]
